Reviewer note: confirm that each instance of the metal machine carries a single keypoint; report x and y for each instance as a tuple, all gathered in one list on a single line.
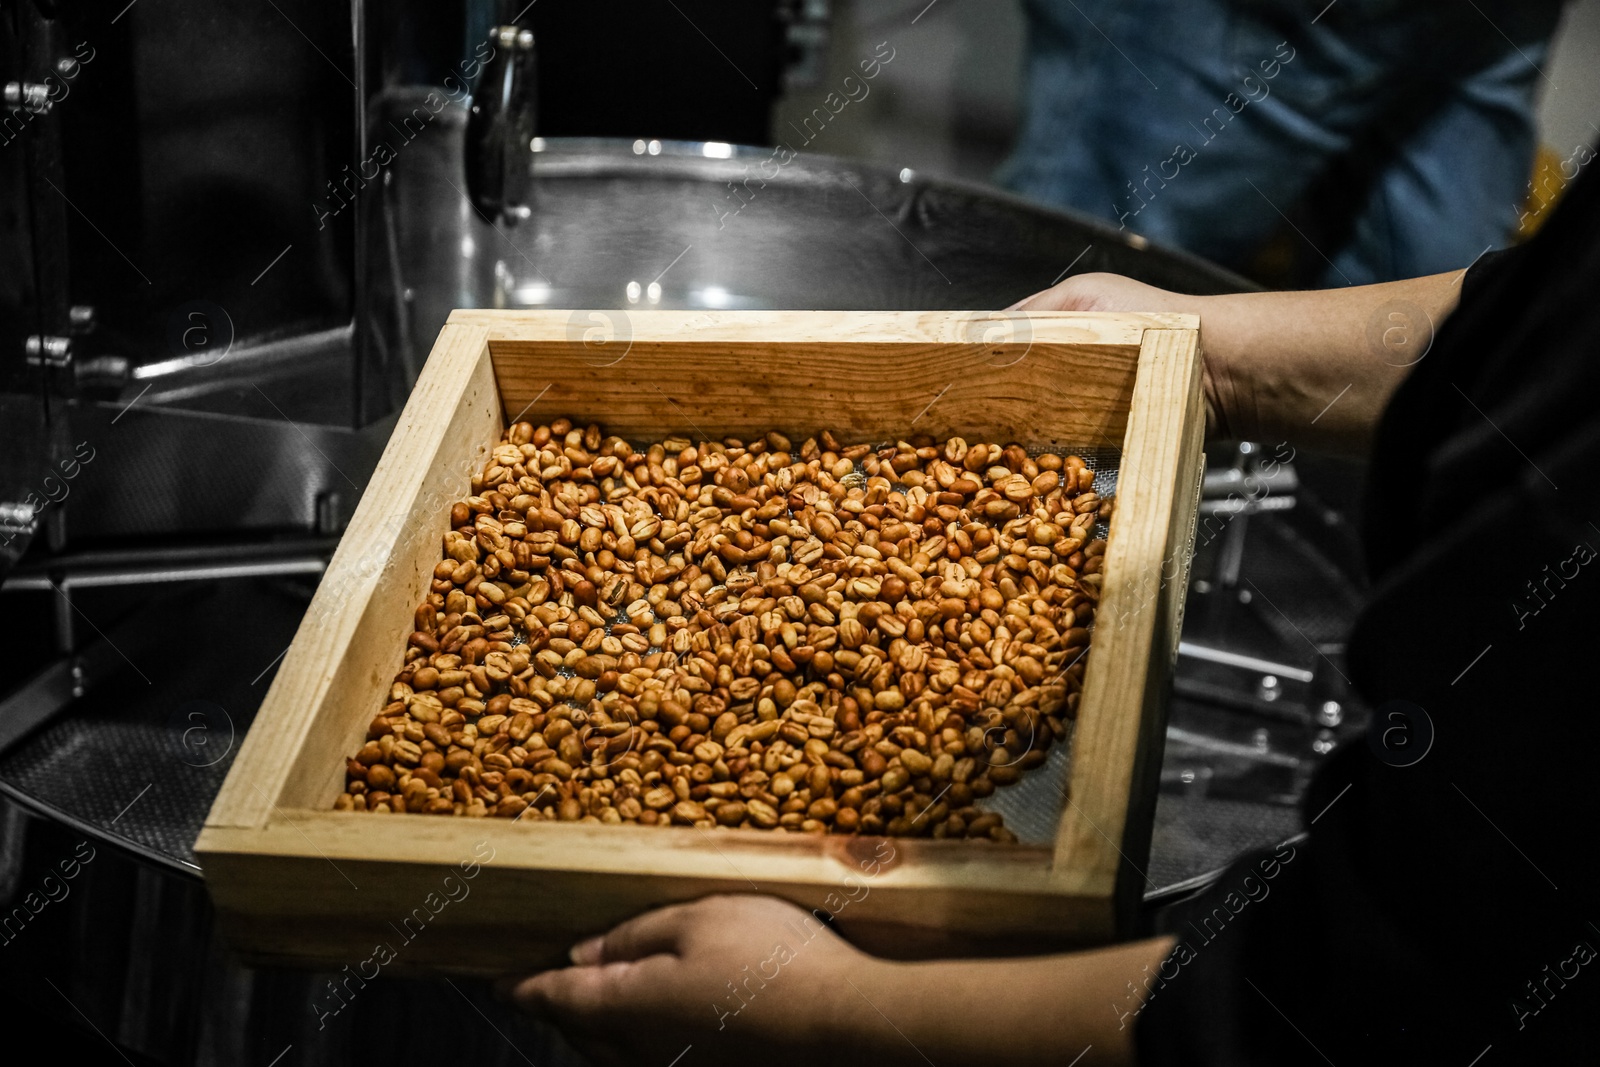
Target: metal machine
[(230, 234)]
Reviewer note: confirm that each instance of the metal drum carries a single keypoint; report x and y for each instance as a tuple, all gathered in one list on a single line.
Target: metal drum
[(132, 734)]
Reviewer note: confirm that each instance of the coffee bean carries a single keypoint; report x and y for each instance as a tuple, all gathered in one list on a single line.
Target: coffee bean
[(730, 634)]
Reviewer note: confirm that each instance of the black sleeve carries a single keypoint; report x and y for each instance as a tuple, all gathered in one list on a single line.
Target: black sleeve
[(1488, 268), (1444, 908)]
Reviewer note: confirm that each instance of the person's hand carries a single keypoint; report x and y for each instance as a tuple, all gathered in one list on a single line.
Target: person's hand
[(1113, 292), (1106, 292), (742, 978), (747, 979)]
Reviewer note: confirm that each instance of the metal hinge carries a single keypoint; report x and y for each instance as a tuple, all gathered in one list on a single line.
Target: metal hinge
[(49, 351), (28, 96)]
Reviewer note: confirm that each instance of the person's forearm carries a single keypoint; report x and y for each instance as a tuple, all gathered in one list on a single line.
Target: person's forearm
[(1317, 367), (1046, 1010), (1314, 368)]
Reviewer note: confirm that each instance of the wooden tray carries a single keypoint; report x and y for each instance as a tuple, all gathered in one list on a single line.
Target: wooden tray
[(296, 882)]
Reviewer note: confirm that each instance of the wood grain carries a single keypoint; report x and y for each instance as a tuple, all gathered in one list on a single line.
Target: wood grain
[(1145, 779), (294, 881), (351, 641), (1059, 379), (337, 881), (778, 329), (1130, 660)]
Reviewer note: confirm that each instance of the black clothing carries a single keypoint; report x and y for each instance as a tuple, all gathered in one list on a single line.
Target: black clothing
[(1442, 909)]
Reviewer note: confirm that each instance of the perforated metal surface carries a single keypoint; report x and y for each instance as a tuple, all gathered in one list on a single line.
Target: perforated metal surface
[(1032, 806), (140, 758), (1197, 834)]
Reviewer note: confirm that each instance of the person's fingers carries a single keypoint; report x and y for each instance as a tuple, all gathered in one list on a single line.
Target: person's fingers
[(1102, 292), (1040, 301), (578, 997), (575, 991), (659, 931), (1080, 293)]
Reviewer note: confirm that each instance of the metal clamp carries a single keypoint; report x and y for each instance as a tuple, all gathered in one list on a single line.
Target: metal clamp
[(28, 96), (48, 351)]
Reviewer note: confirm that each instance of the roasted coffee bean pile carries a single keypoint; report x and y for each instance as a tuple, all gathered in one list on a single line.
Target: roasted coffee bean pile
[(840, 638)]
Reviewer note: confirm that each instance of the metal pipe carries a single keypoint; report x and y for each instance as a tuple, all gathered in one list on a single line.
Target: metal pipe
[(90, 570), (1237, 659), (199, 572)]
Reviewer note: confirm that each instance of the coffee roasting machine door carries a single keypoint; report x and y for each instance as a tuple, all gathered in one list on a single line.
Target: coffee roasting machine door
[(198, 191), (183, 295)]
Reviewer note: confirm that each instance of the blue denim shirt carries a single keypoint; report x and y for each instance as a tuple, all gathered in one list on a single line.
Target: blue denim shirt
[(1311, 143)]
